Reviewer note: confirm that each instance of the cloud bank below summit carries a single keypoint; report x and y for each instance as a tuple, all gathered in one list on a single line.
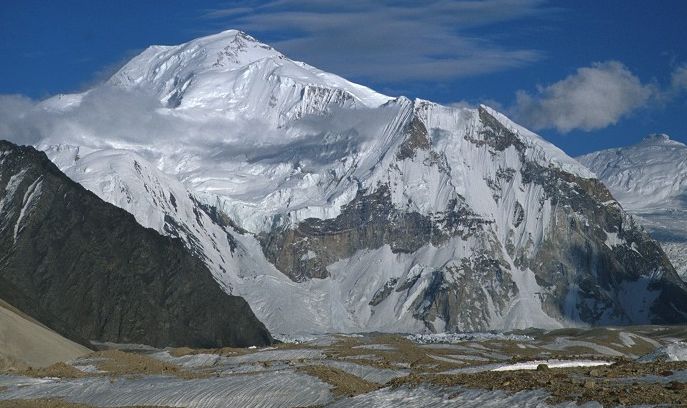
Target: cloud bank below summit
[(111, 118)]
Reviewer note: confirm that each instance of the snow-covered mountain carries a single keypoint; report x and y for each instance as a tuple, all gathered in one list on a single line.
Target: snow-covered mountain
[(330, 207), (650, 180)]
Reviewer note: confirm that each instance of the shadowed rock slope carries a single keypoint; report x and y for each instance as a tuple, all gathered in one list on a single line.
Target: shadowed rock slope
[(87, 270)]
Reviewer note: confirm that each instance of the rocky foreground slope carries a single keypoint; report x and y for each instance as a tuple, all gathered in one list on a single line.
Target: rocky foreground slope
[(598, 367), (24, 342), (331, 207), (89, 271)]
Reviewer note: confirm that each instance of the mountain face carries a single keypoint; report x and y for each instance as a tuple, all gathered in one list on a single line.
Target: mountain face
[(331, 207), (650, 181), (89, 271)]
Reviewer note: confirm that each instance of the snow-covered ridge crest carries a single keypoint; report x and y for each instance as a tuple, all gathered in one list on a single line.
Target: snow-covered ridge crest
[(541, 149), (321, 192), (219, 70), (650, 173)]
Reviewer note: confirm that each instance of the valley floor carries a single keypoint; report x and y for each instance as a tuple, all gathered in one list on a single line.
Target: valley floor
[(568, 367)]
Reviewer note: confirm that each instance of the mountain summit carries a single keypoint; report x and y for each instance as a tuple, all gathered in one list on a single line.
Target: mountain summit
[(232, 72), (331, 207), (658, 139)]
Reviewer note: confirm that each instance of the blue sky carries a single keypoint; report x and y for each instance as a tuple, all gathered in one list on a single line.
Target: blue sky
[(584, 74)]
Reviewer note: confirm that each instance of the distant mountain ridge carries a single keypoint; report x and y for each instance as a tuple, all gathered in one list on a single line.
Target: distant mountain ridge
[(89, 271), (650, 180), (331, 207)]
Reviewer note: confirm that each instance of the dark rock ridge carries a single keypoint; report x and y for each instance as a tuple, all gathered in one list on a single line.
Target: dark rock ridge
[(89, 271), (416, 138)]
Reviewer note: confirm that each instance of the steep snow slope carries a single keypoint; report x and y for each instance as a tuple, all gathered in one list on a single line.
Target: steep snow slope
[(650, 180), (330, 207)]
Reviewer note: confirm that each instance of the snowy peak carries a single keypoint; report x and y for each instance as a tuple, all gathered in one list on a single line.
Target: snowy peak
[(219, 52), (331, 207), (224, 71), (659, 139), (650, 180), (169, 70), (650, 173)]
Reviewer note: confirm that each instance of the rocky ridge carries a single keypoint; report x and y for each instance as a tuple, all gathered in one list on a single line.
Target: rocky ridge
[(89, 271)]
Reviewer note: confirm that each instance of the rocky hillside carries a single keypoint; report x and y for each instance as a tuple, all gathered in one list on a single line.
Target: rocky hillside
[(27, 343), (89, 271), (331, 207)]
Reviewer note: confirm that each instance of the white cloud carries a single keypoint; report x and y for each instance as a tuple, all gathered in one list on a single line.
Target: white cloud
[(108, 117), (389, 41), (591, 98)]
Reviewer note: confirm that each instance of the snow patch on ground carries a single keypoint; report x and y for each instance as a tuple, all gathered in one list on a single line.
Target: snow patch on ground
[(308, 256), (376, 375), (277, 355), (532, 365), (563, 343), (672, 352)]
